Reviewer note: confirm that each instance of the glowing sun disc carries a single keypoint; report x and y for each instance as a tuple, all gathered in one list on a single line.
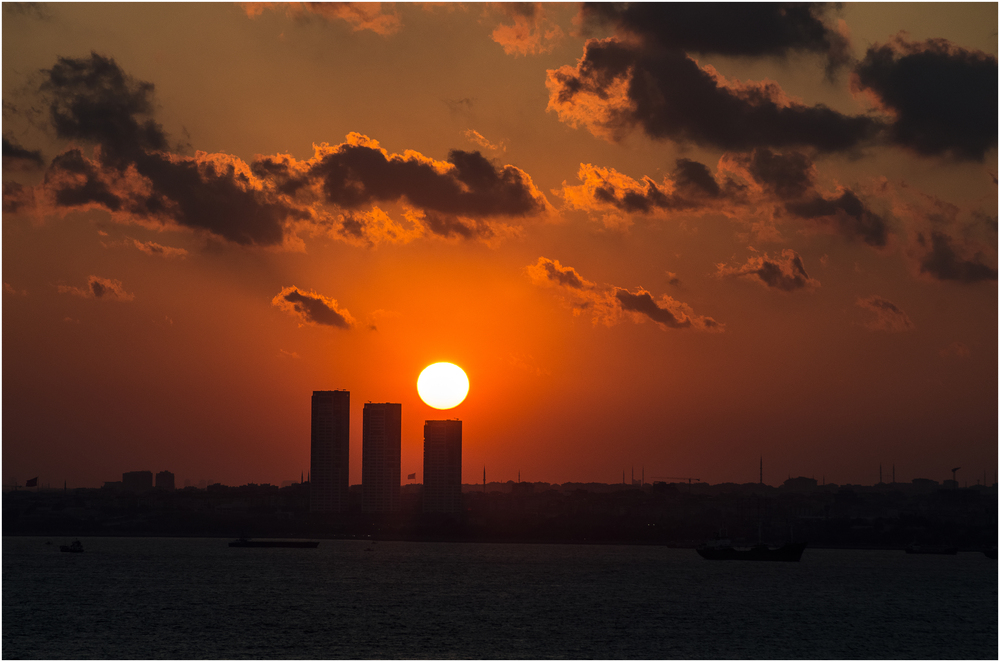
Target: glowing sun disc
[(443, 385)]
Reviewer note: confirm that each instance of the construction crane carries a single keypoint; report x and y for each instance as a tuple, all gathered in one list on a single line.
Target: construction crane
[(687, 478)]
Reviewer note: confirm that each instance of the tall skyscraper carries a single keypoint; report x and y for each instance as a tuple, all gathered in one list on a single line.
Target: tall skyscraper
[(380, 444), (329, 451), (443, 466)]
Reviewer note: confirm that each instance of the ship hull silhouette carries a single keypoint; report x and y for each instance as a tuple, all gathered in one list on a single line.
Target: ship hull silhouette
[(788, 552)]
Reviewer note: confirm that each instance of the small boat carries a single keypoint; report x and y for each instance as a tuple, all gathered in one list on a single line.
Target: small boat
[(75, 547), (788, 552), (301, 544), (932, 549)]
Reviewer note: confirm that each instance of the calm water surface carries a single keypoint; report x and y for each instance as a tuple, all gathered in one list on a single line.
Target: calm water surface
[(181, 598)]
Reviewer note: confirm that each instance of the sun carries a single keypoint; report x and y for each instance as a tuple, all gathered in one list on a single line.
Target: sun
[(443, 385)]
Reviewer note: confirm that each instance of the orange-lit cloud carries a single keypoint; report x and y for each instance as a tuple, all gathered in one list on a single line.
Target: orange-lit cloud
[(531, 30), (360, 15), (99, 288), (313, 308), (477, 138), (692, 187), (785, 273), (887, 316), (610, 305), (153, 248)]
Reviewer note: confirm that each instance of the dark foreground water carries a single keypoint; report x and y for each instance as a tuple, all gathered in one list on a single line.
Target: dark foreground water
[(140, 598)]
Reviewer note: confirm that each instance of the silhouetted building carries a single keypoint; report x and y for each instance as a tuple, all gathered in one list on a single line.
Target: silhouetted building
[(165, 480), (137, 481), (329, 451), (443, 466), (380, 443)]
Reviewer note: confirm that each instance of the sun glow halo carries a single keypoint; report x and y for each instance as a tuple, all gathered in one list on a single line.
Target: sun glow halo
[(443, 385)]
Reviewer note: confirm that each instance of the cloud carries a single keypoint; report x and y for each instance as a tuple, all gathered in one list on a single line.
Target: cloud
[(943, 98), (692, 187), (153, 248), (956, 349), (531, 30), (547, 271), (852, 217), (10, 289), (478, 139), (745, 185), (663, 313), (93, 100), (132, 174), (742, 30), (289, 355), (785, 273), (359, 15), (463, 197), (618, 86), (887, 315), (99, 288), (943, 261), (789, 180), (16, 157), (313, 308), (35, 10), (609, 305)]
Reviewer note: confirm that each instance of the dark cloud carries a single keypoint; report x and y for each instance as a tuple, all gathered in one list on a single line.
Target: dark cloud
[(77, 182), (448, 226), (93, 100), (852, 217), (888, 316), (751, 29), (788, 176), (36, 10), (609, 305), (16, 197), (943, 262), (359, 173), (213, 195), (642, 302), (944, 98), (16, 157), (786, 273), (313, 308), (618, 86)]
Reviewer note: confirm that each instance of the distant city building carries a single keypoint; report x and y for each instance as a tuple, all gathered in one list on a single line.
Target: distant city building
[(329, 451), (164, 480), (137, 481), (380, 445), (443, 466)]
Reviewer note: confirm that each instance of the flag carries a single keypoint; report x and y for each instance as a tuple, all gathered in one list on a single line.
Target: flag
[(411, 477), (31, 482)]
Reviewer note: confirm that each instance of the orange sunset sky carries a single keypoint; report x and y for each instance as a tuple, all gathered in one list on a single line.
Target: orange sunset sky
[(670, 237)]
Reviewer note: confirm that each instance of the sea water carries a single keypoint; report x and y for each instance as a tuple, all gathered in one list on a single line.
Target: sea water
[(183, 598)]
